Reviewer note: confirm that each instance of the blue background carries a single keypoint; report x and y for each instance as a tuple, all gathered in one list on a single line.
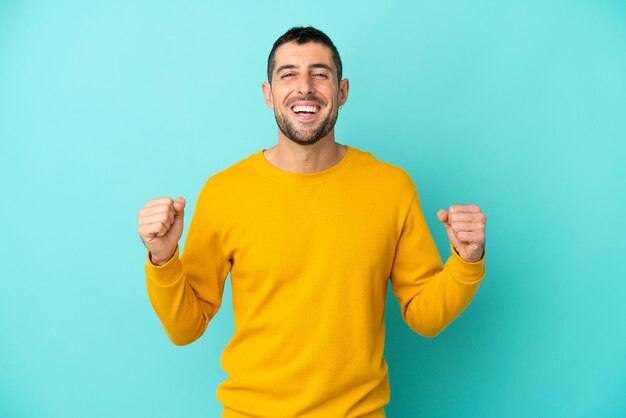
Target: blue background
[(517, 106)]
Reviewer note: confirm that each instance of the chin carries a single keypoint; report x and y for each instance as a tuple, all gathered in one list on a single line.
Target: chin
[(305, 137), (295, 136), (304, 142)]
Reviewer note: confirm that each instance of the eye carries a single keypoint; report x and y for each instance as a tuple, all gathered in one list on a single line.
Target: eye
[(320, 75), (287, 75)]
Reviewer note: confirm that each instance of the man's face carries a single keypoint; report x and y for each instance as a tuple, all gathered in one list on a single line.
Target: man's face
[(305, 93)]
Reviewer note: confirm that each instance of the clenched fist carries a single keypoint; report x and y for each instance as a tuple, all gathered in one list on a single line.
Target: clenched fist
[(465, 226), (161, 226)]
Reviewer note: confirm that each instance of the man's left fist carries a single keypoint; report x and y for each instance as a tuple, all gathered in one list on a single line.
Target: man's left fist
[(465, 226)]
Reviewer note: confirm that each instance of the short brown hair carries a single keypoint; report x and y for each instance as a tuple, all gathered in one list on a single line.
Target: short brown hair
[(301, 36)]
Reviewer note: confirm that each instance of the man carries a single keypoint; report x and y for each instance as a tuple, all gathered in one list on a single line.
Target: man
[(310, 231)]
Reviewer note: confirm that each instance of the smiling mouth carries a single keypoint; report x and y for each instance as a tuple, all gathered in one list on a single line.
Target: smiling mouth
[(305, 110)]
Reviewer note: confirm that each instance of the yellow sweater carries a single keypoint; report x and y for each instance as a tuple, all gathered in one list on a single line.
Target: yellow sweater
[(310, 256)]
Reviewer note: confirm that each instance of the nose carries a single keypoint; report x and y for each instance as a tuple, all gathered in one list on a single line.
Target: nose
[(305, 85)]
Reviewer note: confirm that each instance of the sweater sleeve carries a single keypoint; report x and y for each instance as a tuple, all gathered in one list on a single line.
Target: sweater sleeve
[(430, 294), (186, 292)]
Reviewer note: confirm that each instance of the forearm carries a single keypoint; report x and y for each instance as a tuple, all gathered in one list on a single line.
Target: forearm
[(443, 296), (183, 314)]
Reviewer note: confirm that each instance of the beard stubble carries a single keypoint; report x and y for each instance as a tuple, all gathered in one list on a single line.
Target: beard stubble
[(305, 137)]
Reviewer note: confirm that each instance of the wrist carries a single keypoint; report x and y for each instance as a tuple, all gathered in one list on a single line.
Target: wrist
[(160, 260), (469, 258)]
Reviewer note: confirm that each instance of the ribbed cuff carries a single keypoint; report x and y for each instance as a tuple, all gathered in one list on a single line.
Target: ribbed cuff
[(465, 271), (166, 274)]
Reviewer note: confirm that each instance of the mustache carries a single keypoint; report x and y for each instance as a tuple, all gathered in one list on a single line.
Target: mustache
[(307, 98)]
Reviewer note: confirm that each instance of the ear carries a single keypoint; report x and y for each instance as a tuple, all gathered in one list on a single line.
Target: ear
[(267, 94), (344, 87)]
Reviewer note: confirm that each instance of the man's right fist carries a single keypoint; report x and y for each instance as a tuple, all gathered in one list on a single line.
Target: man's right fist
[(161, 226)]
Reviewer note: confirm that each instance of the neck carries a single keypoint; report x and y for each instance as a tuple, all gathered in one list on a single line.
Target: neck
[(302, 159)]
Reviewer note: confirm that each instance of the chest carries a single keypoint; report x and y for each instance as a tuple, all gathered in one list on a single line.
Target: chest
[(295, 229)]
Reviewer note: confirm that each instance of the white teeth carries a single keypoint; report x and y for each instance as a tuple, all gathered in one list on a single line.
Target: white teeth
[(310, 109)]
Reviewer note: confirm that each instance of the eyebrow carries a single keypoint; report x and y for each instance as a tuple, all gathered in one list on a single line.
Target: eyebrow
[(292, 66), (320, 65), (285, 67)]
